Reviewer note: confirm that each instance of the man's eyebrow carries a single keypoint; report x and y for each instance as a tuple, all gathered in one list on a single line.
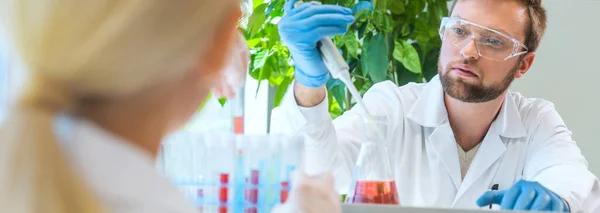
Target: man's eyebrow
[(499, 30)]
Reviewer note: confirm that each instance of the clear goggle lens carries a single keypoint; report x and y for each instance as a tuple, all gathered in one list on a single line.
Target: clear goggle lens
[(490, 43)]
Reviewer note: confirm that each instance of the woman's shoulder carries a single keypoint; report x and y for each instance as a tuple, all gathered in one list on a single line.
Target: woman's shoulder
[(124, 177)]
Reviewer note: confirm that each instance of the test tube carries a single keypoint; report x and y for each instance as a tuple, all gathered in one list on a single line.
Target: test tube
[(199, 160), (177, 163), (237, 110), (218, 193), (227, 172), (292, 161), (254, 155)]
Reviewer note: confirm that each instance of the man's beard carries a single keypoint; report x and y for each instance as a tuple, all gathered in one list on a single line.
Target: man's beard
[(464, 91)]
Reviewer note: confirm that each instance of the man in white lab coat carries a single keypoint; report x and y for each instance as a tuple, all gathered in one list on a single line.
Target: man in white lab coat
[(458, 135)]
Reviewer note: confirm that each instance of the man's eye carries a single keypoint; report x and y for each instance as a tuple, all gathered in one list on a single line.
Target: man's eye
[(459, 31), (494, 42)]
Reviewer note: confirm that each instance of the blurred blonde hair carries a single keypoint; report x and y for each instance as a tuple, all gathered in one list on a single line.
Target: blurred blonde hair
[(75, 49)]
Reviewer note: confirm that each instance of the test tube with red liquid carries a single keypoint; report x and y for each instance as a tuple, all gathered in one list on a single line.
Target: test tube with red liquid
[(237, 111), (251, 192)]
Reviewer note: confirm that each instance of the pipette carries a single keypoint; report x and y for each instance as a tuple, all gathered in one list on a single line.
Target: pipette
[(337, 66), (339, 69)]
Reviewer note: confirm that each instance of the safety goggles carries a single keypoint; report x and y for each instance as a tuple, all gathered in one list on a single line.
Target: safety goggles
[(490, 43)]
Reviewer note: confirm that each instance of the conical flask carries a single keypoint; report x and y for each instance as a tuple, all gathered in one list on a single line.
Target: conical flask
[(372, 178)]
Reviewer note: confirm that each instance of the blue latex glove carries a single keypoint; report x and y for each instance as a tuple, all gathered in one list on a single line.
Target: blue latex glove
[(302, 27), (525, 195), (360, 6)]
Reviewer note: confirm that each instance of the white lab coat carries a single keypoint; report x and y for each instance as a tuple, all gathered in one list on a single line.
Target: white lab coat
[(528, 140), (123, 177)]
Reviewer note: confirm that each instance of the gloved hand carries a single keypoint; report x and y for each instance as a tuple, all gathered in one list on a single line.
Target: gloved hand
[(525, 195), (311, 195), (234, 74), (360, 6), (302, 27)]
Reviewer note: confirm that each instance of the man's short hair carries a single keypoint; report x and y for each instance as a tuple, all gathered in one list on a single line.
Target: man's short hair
[(535, 26)]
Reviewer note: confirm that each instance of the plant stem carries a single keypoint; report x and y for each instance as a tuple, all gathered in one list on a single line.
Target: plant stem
[(359, 76), (348, 100), (394, 73)]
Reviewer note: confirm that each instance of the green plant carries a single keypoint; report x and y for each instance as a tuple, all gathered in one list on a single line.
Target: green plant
[(396, 40)]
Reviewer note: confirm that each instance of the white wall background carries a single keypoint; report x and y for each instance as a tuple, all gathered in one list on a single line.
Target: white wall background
[(566, 71)]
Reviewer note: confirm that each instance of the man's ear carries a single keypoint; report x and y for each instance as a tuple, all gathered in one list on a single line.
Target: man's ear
[(525, 64)]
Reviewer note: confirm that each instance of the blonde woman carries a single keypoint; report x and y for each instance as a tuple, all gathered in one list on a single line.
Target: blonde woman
[(107, 80)]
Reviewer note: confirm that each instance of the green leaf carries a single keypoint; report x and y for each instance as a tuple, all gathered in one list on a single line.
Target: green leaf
[(382, 21), (388, 23), (443, 8), (253, 42), (380, 4), (269, 71), (397, 6), (352, 63), (405, 76), (339, 93), (430, 66), (377, 19), (222, 101), (407, 55), (351, 44), (272, 34), (260, 59), (332, 82), (337, 89), (415, 7), (281, 90), (361, 16), (256, 3), (362, 29), (274, 7), (405, 29), (257, 19), (374, 60), (334, 108), (365, 87)]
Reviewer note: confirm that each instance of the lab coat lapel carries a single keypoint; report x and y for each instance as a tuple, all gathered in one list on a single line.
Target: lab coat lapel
[(430, 112), (490, 151), (442, 142), (508, 124)]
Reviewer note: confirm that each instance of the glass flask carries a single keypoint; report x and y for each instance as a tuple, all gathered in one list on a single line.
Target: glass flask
[(372, 179)]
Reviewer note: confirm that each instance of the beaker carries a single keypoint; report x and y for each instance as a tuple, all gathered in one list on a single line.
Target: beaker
[(372, 179)]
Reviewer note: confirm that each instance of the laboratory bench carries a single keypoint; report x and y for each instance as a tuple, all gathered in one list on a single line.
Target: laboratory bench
[(360, 208)]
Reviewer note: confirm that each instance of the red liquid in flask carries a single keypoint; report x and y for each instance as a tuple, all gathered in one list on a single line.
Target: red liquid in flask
[(375, 192)]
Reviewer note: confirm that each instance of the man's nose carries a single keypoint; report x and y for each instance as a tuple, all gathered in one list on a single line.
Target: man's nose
[(469, 50)]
